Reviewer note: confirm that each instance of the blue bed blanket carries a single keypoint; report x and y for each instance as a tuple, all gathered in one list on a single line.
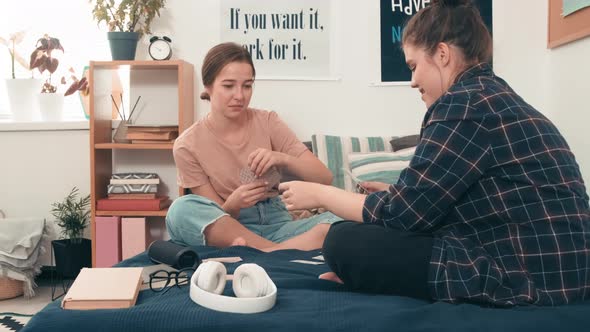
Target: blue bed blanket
[(304, 303)]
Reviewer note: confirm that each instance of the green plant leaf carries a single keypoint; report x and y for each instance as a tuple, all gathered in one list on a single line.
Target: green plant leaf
[(72, 214), (77, 85), (128, 15), (36, 59), (43, 44), (52, 64)]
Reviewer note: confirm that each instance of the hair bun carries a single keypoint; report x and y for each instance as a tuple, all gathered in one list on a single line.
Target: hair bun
[(451, 3)]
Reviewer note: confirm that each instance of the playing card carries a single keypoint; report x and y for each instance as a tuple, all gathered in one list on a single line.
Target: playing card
[(302, 261), (356, 181), (247, 176), (272, 176)]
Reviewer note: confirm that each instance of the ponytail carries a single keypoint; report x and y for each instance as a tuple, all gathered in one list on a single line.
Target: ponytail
[(455, 22)]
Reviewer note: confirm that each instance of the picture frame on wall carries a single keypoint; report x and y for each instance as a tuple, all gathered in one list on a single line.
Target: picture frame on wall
[(393, 17), (563, 29)]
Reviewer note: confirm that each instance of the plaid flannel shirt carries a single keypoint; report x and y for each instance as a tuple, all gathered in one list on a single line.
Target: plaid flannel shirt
[(497, 186)]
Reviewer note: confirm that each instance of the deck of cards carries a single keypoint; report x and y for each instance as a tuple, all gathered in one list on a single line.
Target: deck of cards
[(272, 176)]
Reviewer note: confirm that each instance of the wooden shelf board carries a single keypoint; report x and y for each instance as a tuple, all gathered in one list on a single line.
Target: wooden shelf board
[(160, 213), (130, 146), (143, 64)]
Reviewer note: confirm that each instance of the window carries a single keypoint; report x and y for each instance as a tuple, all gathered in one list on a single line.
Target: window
[(69, 21)]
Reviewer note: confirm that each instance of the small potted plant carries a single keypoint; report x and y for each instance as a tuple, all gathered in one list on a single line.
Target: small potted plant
[(43, 59), (20, 91), (127, 22), (73, 252)]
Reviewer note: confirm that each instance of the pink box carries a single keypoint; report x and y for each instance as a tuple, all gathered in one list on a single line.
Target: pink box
[(134, 236), (108, 241)]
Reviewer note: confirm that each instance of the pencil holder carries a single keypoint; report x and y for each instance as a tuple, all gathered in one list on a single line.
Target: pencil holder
[(120, 135)]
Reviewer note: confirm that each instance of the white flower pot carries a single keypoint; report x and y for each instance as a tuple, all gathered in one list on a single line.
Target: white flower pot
[(51, 106), (21, 95)]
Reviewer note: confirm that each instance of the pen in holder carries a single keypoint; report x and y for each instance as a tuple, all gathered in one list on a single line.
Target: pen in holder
[(120, 135)]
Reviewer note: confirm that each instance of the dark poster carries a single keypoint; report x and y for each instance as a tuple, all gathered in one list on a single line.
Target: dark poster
[(394, 15)]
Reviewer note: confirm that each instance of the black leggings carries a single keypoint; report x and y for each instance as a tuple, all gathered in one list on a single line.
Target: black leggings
[(373, 259)]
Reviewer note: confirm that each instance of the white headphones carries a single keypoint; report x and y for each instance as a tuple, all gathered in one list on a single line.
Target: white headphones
[(255, 292)]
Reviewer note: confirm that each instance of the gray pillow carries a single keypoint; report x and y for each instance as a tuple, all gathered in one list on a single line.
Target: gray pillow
[(404, 142)]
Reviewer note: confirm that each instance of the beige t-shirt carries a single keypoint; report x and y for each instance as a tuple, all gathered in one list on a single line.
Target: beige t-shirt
[(201, 157)]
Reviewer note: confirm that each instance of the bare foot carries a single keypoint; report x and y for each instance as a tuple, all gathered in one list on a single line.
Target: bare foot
[(278, 246), (331, 276), (239, 241), (269, 249), (310, 240)]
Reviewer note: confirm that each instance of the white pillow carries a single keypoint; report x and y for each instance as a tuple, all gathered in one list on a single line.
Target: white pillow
[(379, 166), (333, 151)]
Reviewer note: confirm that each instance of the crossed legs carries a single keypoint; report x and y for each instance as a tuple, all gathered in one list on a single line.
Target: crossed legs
[(227, 232), (190, 215)]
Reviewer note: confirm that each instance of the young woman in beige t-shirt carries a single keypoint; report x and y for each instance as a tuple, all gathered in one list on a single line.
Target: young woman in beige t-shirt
[(222, 211)]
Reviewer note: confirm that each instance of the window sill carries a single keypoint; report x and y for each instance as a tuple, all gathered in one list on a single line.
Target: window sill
[(74, 124)]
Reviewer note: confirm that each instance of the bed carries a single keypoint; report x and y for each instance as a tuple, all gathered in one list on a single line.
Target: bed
[(304, 303)]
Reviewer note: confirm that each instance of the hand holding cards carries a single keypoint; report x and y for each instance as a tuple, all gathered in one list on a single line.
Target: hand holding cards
[(357, 182), (272, 177)]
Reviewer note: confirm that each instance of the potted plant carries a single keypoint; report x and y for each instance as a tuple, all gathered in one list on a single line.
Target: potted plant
[(127, 22), (73, 252), (20, 91), (43, 59)]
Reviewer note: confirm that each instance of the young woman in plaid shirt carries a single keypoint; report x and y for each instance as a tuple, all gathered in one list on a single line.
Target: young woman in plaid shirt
[(492, 208)]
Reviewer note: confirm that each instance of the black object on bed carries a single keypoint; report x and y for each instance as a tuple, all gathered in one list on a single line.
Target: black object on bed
[(304, 303), (173, 254)]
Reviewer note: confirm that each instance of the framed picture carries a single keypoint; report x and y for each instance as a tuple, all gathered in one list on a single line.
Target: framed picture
[(393, 17), (568, 28)]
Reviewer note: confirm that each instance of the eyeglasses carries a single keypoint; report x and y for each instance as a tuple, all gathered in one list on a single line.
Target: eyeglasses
[(160, 280)]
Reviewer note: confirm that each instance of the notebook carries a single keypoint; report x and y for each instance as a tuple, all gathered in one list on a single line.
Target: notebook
[(104, 288)]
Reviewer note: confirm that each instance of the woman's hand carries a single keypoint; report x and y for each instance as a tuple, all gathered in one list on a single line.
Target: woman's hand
[(373, 186), (245, 196), (261, 160), (299, 195)]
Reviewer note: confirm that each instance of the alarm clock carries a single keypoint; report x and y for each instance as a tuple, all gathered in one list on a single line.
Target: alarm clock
[(160, 48)]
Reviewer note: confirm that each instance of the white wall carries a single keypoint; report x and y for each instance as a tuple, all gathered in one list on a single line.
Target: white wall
[(39, 168), (347, 106), (555, 81), (569, 105)]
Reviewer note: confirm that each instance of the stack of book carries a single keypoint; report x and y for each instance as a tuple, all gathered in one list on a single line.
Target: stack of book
[(151, 134), (133, 192)]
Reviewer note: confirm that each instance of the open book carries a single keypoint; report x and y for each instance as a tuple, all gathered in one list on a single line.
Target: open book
[(104, 288)]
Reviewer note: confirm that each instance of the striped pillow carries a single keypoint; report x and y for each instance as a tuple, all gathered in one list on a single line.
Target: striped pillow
[(380, 166), (333, 151)]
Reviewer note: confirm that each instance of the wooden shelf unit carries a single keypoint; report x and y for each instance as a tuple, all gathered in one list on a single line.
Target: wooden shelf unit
[(161, 213), (102, 146), (129, 146)]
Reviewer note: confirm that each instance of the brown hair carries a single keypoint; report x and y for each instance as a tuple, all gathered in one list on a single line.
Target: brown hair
[(218, 57), (455, 22)]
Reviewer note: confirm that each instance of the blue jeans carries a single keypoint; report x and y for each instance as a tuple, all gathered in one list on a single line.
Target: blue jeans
[(189, 215)]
